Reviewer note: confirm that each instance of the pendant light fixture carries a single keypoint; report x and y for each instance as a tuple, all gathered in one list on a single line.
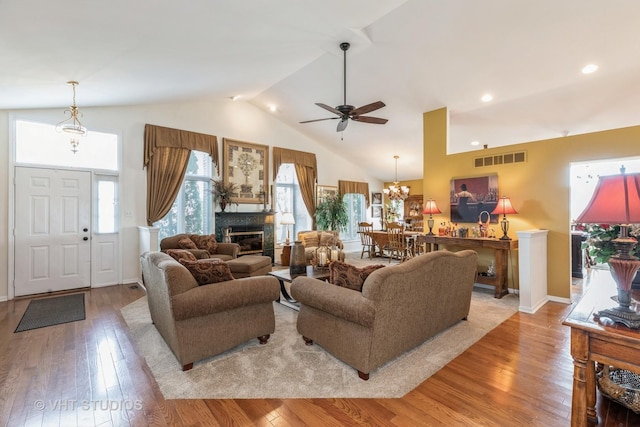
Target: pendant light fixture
[(396, 191), (72, 123)]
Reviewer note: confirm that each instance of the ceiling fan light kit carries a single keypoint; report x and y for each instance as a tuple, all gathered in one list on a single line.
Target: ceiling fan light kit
[(346, 111)]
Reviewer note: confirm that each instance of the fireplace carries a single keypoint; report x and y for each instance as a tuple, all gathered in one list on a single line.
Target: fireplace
[(252, 223), (250, 242)]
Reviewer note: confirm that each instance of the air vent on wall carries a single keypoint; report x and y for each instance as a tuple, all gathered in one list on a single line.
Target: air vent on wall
[(500, 159)]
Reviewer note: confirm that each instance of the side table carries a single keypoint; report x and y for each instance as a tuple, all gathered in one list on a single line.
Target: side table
[(285, 256), (284, 276), (597, 340)]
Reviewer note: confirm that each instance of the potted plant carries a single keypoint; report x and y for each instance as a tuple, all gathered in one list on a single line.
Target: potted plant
[(222, 192), (599, 244), (331, 214)]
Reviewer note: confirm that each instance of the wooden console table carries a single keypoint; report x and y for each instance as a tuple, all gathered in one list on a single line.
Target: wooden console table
[(597, 340), (501, 248)]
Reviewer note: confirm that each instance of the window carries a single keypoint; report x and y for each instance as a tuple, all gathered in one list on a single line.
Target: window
[(107, 204), (40, 144), (356, 210), (289, 199), (192, 210)]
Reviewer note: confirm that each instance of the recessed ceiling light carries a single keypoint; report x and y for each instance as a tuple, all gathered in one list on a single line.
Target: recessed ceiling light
[(474, 143), (590, 68), (487, 97), (272, 108)]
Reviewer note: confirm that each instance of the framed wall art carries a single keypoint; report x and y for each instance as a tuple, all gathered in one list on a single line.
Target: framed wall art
[(471, 198), (246, 165), (322, 191), (376, 198), (376, 211)]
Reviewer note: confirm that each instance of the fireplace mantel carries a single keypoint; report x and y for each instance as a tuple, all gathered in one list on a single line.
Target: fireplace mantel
[(247, 221)]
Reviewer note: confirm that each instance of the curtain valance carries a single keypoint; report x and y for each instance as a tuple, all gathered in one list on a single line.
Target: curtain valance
[(345, 187), (284, 155), (158, 136)]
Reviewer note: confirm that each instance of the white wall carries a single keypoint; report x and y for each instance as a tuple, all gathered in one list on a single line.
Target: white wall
[(223, 118)]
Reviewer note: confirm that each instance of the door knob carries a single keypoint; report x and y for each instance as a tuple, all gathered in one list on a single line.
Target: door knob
[(85, 229), (85, 238)]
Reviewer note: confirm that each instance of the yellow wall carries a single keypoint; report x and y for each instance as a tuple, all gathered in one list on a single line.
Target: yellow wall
[(538, 188)]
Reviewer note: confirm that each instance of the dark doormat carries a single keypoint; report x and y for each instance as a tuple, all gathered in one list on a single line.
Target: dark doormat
[(52, 311)]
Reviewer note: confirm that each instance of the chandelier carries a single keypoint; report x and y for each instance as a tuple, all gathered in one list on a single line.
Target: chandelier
[(72, 124), (396, 191)]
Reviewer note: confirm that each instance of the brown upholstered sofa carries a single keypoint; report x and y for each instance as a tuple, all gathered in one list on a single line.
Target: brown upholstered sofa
[(312, 239), (223, 251), (399, 308), (201, 321)]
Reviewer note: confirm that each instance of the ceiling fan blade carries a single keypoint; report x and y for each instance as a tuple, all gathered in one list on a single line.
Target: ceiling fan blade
[(367, 108), (326, 107), (319, 120), (343, 124), (366, 119)]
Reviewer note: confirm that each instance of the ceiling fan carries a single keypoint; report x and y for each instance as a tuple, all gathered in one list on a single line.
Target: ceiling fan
[(345, 111)]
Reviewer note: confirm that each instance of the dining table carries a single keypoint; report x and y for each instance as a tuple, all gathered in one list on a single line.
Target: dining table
[(381, 238)]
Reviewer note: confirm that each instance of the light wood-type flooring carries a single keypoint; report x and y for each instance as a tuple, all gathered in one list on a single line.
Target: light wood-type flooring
[(88, 373)]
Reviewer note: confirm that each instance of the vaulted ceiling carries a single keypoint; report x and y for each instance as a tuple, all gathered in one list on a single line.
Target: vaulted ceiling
[(414, 55)]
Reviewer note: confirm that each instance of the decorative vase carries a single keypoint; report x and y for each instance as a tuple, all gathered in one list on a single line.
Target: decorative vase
[(298, 262), (223, 206)]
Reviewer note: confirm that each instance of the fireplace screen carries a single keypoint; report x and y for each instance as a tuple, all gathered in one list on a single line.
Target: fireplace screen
[(251, 242)]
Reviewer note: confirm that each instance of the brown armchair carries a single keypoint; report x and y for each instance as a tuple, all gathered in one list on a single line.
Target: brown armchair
[(201, 246), (201, 321)]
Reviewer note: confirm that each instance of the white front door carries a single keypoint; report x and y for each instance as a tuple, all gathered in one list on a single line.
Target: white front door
[(52, 230)]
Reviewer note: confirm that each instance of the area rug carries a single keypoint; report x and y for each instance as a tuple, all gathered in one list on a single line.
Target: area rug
[(286, 368), (52, 311)]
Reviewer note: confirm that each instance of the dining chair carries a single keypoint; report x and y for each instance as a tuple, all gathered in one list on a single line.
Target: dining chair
[(365, 229), (397, 241)]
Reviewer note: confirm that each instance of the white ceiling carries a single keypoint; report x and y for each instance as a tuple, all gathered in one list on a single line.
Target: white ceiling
[(415, 56)]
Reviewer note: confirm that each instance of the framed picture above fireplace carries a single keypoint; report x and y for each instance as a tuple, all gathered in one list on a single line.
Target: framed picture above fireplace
[(246, 165)]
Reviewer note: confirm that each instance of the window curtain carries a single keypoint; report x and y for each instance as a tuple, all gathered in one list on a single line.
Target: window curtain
[(166, 155), (306, 171), (345, 187)]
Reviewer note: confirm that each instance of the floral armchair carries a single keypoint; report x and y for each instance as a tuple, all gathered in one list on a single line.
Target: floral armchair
[(313, 239)]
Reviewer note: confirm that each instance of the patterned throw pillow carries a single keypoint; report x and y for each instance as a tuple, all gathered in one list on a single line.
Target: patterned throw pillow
[(310, 239), (186, 243), (179, 254), (208, 242), (207, 271), (350, 276), (327, 238)]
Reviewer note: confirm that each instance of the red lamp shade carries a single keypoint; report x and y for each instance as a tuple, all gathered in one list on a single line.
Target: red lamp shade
[(504, 207), (431, 208), (616, 200)]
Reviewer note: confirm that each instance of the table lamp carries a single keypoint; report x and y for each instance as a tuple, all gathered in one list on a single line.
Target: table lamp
[(503, 208), (430, 208), (616, 201), (287, 220)]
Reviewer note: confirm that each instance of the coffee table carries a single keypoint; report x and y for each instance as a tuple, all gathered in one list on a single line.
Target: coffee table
[(285, 277)]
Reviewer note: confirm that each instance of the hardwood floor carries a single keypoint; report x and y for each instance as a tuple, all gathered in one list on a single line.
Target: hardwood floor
[(88, 373)]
